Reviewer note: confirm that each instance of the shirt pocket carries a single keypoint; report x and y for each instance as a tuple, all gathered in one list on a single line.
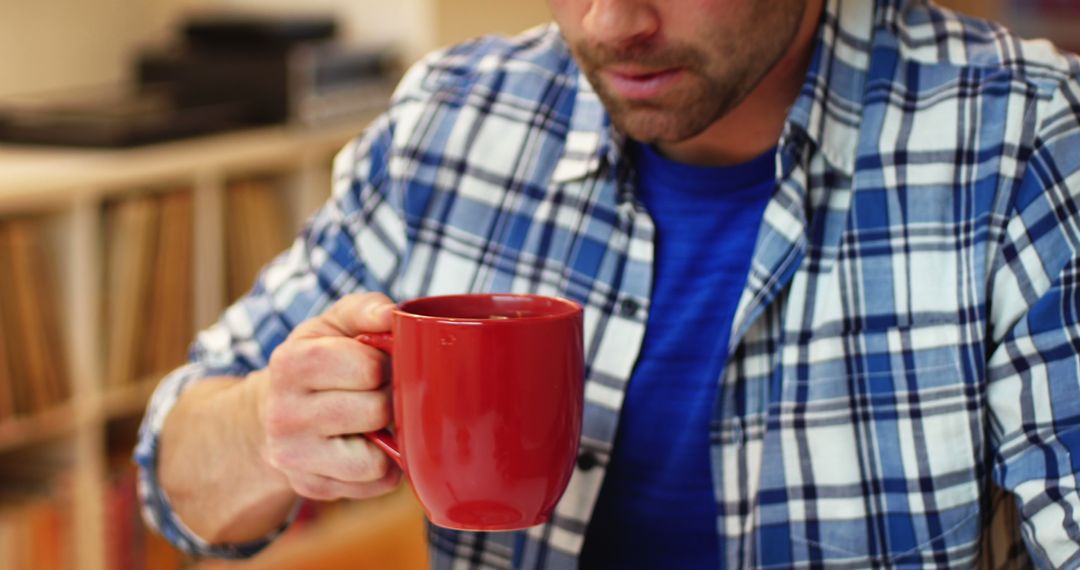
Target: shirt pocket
[(881, 434)]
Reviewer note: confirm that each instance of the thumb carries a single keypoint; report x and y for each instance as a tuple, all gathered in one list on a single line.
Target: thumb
[(351, 315)]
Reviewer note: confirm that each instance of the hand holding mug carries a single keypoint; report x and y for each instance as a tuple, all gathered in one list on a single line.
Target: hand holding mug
[(323, 389), (488, 397)]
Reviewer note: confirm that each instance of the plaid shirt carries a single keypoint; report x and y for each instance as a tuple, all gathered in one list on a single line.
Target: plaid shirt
[(903, 382)]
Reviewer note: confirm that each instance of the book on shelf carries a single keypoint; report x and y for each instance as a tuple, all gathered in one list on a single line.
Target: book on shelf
[(131, 234), (7, 381), (35, 512), (36, 519), (149, 271), (148, 284), (40, 314), (129, 545), (257, 230), (34, 534), (170, 321), (34, 376)]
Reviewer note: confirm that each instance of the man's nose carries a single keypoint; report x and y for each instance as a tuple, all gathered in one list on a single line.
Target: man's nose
[(618, 22)]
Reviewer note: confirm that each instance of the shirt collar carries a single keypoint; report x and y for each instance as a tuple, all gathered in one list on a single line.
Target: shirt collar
[(591, 141), (827, 114)]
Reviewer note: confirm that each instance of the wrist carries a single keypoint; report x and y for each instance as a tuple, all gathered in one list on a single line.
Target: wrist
[(211, 465), (267, 502)]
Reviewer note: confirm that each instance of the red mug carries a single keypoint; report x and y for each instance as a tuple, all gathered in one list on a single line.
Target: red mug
[(488, 394)]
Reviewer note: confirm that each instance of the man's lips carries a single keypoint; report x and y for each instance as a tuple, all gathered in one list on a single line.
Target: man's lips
[(631, 83)]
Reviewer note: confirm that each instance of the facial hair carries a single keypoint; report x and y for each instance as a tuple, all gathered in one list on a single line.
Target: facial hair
[(685, 111), (717, 70)]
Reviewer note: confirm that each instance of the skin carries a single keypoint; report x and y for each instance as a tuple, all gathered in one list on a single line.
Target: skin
[(706, 81), (727, 70), (236, 454)]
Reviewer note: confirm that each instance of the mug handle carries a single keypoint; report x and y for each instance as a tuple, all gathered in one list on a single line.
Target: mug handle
[(383, 438)]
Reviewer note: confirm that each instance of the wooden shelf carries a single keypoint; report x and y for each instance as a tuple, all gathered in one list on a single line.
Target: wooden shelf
[(74, 188), (129, 400), (24, 431), (119, 402), (33, 177)]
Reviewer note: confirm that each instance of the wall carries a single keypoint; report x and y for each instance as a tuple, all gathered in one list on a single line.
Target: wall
[(458, 20), (53, 44)]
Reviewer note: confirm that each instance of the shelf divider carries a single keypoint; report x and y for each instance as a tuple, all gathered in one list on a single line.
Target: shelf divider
[(84, 279), (209, 249)]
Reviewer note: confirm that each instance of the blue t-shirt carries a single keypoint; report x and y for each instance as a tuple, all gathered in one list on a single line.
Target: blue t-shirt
[(656, 508)]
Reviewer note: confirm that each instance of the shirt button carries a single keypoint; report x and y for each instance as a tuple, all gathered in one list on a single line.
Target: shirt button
[(629, 307), (586, 460)]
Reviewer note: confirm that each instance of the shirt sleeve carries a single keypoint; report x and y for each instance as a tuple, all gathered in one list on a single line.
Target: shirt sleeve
[(322, 265), (1034, 367)]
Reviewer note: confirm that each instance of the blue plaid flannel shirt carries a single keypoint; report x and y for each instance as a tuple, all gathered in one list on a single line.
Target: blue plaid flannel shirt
[(904, 385)]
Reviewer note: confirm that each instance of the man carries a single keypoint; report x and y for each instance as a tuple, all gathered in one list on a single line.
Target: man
[(828, 256)]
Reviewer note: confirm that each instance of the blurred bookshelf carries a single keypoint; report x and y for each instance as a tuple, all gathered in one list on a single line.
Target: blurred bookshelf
[(989, 9), (110, 260), (1054, 20)]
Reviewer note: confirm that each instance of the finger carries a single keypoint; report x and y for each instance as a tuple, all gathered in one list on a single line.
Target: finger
[(328, 363), (320, 488), (349, 316), (342, 412), (349, 459)]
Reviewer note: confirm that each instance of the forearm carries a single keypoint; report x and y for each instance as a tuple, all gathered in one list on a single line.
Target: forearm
[(211, 464)]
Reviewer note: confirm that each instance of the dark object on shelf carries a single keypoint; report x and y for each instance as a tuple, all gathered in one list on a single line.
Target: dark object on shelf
[(309, 83), (233, 71), (114, 119), (254, 31)]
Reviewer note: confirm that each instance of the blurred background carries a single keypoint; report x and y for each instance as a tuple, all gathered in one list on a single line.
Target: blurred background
[(153, 155), (64, 43)]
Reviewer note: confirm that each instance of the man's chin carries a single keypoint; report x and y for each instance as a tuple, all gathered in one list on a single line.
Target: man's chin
[(655, 127)]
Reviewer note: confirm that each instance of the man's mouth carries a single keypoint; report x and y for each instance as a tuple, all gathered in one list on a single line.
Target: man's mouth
[(641, 84)]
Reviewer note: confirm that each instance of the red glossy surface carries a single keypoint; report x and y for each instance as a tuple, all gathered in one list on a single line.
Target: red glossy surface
[(488, 396)]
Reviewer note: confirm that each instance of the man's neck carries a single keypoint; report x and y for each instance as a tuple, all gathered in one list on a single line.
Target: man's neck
[(755, 125)]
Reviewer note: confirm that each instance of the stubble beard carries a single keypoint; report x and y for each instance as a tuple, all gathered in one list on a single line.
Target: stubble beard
[(710, 89), (685, 111)]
